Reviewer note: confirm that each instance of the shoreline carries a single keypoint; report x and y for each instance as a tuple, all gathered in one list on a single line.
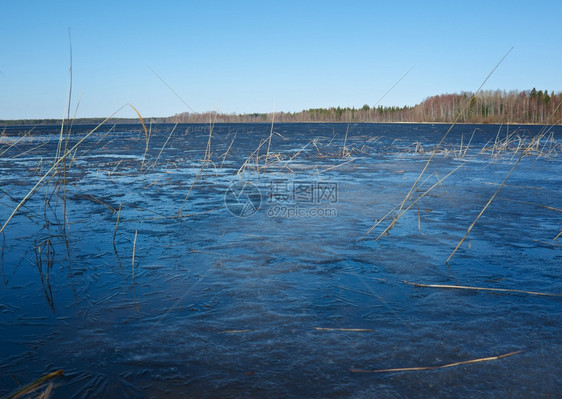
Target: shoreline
[(31, 122)]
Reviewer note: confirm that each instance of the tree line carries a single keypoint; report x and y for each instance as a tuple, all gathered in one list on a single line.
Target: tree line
[(530, 106), (497, 106)]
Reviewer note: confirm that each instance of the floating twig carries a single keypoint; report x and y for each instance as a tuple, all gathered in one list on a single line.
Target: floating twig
[(482, 359), (463, 287), (28, 388), (344, 329)]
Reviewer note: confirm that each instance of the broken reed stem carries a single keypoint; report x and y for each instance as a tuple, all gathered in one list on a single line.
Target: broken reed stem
[(117, 223), (134, 248), (30, 387), (463, 287), (482, 359)]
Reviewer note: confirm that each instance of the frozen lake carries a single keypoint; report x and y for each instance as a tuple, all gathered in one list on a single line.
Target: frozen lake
[(249, 261)]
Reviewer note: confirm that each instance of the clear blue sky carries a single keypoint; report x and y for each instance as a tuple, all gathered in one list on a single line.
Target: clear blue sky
[(260, 56)]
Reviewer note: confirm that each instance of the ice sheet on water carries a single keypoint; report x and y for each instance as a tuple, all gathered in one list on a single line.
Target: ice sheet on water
[(221, 304)]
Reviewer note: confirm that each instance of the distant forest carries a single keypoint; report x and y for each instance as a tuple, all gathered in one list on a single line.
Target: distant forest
[(521, 107), (532, 107)]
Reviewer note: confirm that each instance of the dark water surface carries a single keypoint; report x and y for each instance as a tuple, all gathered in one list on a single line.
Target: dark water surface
[(291, 299)]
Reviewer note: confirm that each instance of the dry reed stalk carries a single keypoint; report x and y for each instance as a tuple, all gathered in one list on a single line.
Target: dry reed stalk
[(57, 162), (338, 165), (435, 150), (39, 166), (316, 146), (378, 221), (2, 258), (172, 90), (61, 181), (530, 203), (20, 154), (468, 145), (444, 189), (269, 140), (141, 121), (134, 248), (344, 149), (117, 223), (463, 287), (96, 200), (480, 360), (294, 156), (516, 186), (484, 209), (115, 168), (344, 152), (400, 214), (35, 384), (496, 140), (146, 133), (550, 244), (525, 151), (164, 146), (206, 160), (47, 392), (242, 168), (227, 150), (17, 141)]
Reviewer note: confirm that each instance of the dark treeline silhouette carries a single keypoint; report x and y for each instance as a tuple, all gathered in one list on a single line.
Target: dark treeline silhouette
[(524, 107), (532, 106)]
